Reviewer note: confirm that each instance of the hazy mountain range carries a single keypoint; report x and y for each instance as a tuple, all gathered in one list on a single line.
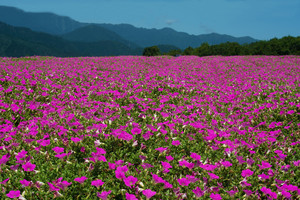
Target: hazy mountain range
[(51, 34)]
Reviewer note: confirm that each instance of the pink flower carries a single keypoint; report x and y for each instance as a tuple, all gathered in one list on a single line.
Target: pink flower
[(100, 151), (148, 193), (130, 197), (248, 192), (136, 131), (28, 167), (25, 183), (169, 158), (4, 182), (80, 179), (213, 176), (247, 173), (111, 165), (61, 156), (45, 143), (226, 164), (183, 181), (13, 194), (290, 112), (263, 176), (195, 156), (52, 187), (215, 196), (21, 155), (198, 192), (130, 180), (166, 165), (157, 179), (176, 142), (167, 185), (264, 165), (161, 149), (186, 164), (75, 139), (103, 195), (58, 149), (97, 183)]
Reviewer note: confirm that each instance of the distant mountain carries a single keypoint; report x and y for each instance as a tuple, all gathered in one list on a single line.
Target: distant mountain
[(150, 37), (42, 22), (16, 42), (95, 33), (58, 25)]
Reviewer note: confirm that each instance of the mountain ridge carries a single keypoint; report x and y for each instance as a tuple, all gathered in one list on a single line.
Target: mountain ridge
[(143, 37)]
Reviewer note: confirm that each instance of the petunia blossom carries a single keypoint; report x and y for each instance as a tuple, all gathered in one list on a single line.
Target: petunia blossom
[(80, 179), (28, 167), (148, 193), (97, 183), (130, 180), (103, 195), (13, 194)]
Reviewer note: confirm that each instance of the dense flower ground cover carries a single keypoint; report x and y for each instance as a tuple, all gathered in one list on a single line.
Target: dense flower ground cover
[(150, 128)]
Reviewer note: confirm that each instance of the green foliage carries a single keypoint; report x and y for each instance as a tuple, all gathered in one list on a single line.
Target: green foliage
[(285, 46), (151, 51)]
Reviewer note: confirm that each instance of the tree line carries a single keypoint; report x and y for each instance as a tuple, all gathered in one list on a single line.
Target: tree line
[(285, 46)]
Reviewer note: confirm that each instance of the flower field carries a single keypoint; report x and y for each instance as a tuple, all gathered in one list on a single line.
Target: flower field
[(150, 128)]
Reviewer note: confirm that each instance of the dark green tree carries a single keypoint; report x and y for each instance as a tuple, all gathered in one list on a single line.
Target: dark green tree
[(188, 51), (151, 51)]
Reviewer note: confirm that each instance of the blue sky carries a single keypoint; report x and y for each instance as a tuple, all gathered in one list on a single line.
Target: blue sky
[(261, 19)]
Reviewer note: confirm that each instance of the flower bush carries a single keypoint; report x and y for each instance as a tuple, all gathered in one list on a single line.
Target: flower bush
[(150, 127)]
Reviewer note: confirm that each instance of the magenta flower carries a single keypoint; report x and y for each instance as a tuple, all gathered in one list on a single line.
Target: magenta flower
[(111, 165), (136, 131), (130, 197), (103, 195), (75, 139), (148, 193), (28, 167), (215, 196), (97, 183), (167, 185), (58, 149), (263, 176), (166, 165), (21, 155), (247, 173), (213, 176), (286, 194), (130, 180), (4, 182), (248, 192), (61, 156), (80, 179), (161, 149), (169, 158), (45, 143), (226, 164), (13, 194), (195, 156), (52, 187), (198, 192), (264, 165), (232, 192), (157, 179), (176, 143), (119, 174), (186, 164), (100, 151), (25, 183), (183, 181)]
